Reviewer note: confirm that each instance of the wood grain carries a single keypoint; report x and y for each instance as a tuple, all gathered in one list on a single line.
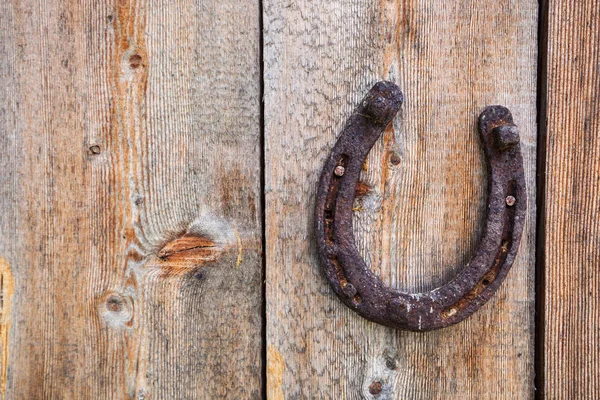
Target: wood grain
[(130, 200), (571, 358), (422, 216)]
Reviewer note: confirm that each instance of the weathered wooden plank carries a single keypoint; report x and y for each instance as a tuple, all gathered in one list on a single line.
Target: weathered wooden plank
[(571, 317), (421, 219), (130, 203)]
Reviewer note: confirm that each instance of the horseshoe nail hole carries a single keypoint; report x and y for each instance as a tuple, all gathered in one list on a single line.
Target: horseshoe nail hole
[(357, 299), (331, 252), (349, 290), (339, 272), (449, 312), (328, 214), (343, 160), (485, 282)]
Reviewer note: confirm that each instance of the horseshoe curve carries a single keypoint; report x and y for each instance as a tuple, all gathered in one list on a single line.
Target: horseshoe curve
[(363, 291)]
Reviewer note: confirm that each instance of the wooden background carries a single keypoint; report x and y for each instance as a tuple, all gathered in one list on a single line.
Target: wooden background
[(156, 219), (570, 322), (131, 217), (422, 218)]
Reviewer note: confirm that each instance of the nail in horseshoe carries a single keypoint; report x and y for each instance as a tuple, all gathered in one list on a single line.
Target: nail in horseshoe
[(346, 271)]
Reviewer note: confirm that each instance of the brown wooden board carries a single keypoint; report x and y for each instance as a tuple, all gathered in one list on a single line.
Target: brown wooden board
[(571, 318), (426, 181), (130, 200)]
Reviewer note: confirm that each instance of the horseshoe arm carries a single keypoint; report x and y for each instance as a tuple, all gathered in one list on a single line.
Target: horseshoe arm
[(346, 271)]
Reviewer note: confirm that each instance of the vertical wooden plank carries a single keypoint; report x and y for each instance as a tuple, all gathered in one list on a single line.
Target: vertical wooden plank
[(422, 217), (130, 206), (571, 346)]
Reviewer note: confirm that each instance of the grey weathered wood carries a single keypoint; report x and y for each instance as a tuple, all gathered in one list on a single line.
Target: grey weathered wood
[(422, 218), (571, 317), (129, 130)]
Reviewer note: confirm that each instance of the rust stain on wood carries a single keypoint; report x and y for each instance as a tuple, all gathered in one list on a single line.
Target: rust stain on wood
[(362, 189), (7, 290), (275, 368)]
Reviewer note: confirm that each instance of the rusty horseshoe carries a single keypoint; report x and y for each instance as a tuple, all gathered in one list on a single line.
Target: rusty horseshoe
[(363, 291)]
